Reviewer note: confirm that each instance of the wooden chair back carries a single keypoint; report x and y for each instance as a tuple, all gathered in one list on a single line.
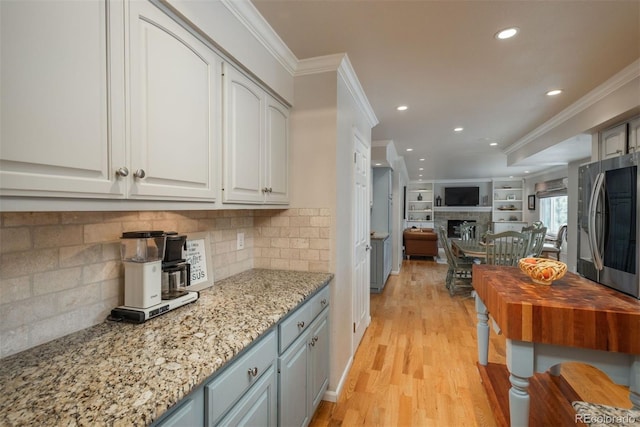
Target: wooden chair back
[(536, 240), (506, 248)]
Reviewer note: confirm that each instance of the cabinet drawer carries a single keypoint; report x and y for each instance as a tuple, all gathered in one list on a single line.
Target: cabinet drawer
[(319, 302), (230, 385), (299, 321), (294, 325)]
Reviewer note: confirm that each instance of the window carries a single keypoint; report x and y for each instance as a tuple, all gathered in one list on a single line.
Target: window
[(553, 213)]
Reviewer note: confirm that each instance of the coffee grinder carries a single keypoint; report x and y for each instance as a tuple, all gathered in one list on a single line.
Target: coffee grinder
[(143, 253)]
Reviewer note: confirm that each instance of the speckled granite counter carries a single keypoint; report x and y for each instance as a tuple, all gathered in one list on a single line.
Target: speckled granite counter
[(125, 374)]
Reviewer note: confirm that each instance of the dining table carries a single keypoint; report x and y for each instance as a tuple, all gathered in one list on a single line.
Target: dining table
[(472, 248)]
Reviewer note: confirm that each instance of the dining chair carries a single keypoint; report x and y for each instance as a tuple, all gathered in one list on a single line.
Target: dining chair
[(506, 248), (536, 240), (459, 271), (555, 247)]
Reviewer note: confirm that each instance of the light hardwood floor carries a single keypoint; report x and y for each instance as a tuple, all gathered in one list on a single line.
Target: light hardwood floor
[(416, 365)]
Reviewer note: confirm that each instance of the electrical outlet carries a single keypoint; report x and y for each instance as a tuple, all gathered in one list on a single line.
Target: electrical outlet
[(240, 241)]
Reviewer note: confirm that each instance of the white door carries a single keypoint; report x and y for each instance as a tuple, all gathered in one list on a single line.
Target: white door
[(62, 98), (175, 100), (276, 178), (243, 139), (362, 248)]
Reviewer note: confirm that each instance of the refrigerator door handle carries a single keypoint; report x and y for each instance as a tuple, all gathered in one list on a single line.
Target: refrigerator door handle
[(593, 206)]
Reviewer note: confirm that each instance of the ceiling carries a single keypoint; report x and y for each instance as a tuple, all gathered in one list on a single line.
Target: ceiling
[(440, 58)]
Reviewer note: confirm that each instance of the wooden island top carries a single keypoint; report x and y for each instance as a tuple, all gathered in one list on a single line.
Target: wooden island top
[(573, 311)]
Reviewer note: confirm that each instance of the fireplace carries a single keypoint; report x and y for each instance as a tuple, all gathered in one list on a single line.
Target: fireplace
[(453, 226)]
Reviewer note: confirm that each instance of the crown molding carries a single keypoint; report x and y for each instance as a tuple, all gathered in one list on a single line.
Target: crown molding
[(319, 64), (626, 75), (339, 63), (249, 16), (348, 74)]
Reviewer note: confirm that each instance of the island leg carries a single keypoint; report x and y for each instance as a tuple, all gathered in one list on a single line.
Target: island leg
[(483, 331), (520, 365)]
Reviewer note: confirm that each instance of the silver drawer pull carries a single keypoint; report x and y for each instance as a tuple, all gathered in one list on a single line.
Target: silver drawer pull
[(323, 302), (301, 324), (253, 371), (313, 341)]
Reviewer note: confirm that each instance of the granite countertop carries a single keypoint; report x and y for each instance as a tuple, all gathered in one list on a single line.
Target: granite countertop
[(127, 374)]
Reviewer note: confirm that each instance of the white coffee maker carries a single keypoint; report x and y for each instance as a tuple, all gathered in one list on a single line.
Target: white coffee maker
[(142, 254)]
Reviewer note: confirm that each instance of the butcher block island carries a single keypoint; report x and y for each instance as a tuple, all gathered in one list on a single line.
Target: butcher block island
[(126, 374), (573, 319)]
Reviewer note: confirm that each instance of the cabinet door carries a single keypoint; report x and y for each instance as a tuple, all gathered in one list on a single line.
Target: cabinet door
[(634, 135), (243, 139), (613, 141), (277, 152), (189, 412), (319, 360), (293, 384), (175, 100), (62, 102), (258, 406)]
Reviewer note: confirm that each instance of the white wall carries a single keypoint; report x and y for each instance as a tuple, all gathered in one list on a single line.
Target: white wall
[(322, 126)]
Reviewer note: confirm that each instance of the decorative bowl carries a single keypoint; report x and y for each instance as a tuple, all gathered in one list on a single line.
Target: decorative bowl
[(542, 271)]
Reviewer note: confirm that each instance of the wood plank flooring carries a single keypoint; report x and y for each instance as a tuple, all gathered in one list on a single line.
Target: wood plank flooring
[(416, 365)]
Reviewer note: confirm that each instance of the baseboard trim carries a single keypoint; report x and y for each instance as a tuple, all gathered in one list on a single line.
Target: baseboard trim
[(332, 395)]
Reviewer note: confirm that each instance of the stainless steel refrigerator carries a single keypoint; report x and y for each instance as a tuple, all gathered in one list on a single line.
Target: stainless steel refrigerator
[(608, 232)]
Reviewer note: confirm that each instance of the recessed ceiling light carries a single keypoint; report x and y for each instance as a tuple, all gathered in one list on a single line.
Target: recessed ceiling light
[(554, 92), (493, 144), (378, 164), (420, 175), (409, 149), (526, 171), (458, 129), (422, 160), (402, 108), (421, 169), (507, 33)]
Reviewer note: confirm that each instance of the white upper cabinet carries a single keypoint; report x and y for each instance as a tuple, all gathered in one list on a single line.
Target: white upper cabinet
[(175, 106), (613, 142), (277, 152), (634, 135), (62, 98), (255, 143)]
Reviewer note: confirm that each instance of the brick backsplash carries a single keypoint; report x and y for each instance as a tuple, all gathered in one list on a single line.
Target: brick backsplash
[(61, 272), (295, 239)]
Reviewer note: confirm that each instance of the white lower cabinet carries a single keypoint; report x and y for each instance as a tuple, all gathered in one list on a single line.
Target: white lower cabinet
[(303, 368)]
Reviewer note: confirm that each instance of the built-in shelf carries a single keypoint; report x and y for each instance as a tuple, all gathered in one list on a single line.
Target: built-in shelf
[(463, 208)]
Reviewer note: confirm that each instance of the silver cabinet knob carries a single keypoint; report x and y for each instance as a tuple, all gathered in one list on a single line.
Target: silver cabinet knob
[(368, 248), (301, 325), (253, 371), (323, 302), (122, 172), (270, 190), (140, 173)]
